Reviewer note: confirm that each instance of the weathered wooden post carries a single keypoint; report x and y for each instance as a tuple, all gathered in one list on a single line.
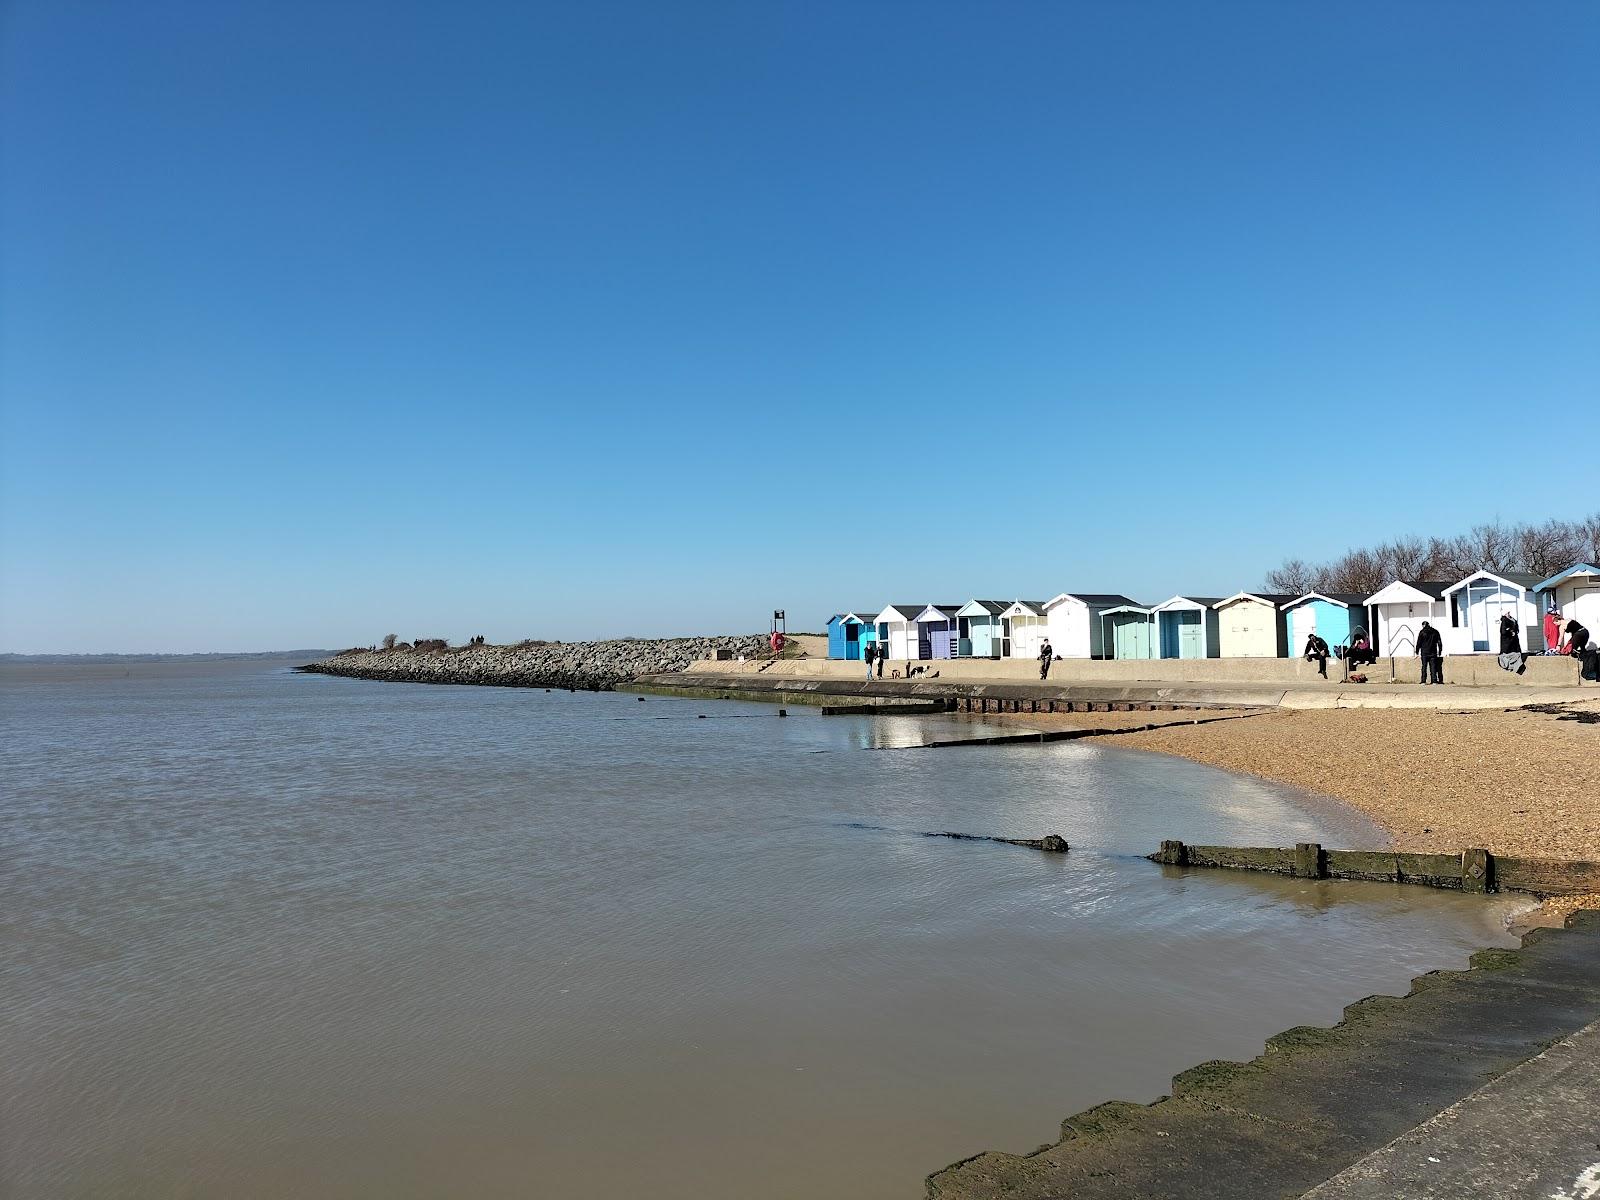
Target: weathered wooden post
[(1477, 871), (1308, 862)]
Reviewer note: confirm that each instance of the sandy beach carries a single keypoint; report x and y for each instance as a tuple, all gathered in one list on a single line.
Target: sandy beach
[(1514, 782)]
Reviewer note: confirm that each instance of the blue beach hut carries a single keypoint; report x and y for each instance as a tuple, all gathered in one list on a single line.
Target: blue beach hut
[(1333, 617), (980, 633), (1186, 627), (849, 632)]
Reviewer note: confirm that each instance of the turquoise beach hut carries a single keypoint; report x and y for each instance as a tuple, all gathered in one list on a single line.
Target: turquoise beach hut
[(1128, 631), (980, 633), (1333, 617), (849, 632)]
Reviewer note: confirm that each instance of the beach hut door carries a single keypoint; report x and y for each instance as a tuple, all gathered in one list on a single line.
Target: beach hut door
[(1190, 636)]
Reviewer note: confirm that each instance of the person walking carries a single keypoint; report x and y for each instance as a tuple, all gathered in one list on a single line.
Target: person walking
[(1317, 652), (1045, 655), (1430, 648), (869, 651)]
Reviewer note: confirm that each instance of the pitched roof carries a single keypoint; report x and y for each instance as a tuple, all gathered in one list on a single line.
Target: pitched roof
[(1276, 599), (1030, 607), (1562, 576), (1093, 599), (1342, 599), (1525, 580), (1202, 601), (907, 612), (993, 607), (1434, 591)]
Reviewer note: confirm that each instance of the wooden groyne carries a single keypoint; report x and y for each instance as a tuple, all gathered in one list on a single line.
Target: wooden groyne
[(1473, 870)]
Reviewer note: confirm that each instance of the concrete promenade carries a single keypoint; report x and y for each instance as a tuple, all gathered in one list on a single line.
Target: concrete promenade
[(1473, 681), (1534, 1132)]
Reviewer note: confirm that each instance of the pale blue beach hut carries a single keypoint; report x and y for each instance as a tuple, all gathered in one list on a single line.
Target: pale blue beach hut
[(980, 632), (1333, 617)]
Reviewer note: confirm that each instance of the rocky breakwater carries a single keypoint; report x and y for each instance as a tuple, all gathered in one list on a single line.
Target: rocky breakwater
[(592, 666)]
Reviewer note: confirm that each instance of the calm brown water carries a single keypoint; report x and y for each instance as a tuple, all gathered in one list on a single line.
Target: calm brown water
[(270, 935)]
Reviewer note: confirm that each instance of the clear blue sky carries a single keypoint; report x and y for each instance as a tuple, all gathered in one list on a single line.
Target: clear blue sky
[(324, 320)]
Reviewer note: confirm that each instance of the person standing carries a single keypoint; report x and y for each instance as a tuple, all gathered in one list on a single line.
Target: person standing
[(1317, 652), (869, 651), (883, 653), (1430, 648), (1045, 656), (1510, 635), (1552, 631)]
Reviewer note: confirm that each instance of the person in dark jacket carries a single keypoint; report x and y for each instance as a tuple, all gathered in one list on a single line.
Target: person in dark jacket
[(1430, 648), (1577, 639), (1046, 653), (1582, 648), (1510, 635), (869, 651), (1317, 652)]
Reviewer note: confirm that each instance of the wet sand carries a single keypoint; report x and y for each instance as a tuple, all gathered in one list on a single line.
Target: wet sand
[(1515, 782)]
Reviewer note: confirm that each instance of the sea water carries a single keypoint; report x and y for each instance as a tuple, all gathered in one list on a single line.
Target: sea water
[(269, 934)]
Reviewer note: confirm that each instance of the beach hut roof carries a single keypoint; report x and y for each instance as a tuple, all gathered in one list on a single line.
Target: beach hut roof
[(1187, 602), (1342, 599), (900, 612), (1129, 607), (1091, 599), (1561, 577), (1025, 608), (1276, 599), (938, 612), (1406, 589), (1517, 579), (981, 608)]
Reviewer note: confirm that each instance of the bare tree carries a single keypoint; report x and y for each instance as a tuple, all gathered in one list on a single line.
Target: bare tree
[(389, 640), (1293, 578), (1541, 549)]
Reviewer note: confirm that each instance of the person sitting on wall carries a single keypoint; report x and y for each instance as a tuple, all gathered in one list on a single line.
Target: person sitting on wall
[(1430, 649), (1360, 650), (1317, 652)]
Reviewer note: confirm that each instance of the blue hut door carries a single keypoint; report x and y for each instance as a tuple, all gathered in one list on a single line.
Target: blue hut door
[(1181, 635), (1191, 636), (939, 641), (852, 641)]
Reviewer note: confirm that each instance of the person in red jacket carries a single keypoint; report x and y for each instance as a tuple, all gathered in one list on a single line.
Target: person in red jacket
[(1552, 631)]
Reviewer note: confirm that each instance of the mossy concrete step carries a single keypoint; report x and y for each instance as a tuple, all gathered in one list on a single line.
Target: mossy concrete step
[(1318, 1100)]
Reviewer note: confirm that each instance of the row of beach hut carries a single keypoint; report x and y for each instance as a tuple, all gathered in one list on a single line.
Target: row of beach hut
[(1245, 625)]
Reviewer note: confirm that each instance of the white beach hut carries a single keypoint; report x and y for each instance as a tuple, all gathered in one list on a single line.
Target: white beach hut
[(897, 629), (1252, 625), (1477, 604), (1075, 628), (1399, 610), (1029, 625)]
